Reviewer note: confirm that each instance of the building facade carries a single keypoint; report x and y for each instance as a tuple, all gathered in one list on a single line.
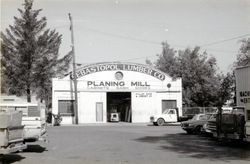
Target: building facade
[(242, 76), (132, 91)]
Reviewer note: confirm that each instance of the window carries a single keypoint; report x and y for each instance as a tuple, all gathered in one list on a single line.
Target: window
[(248, 115), (196, 117), (33, 111), (203, 117), (171, 112), (8, 99), (66, 107), (168, 104), (23, 109)]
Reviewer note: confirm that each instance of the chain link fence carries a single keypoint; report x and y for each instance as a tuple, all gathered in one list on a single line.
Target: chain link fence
[(189, 112)]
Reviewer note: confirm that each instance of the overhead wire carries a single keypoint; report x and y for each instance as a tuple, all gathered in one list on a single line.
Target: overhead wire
[(155, 42), (225, 40), (159, 43)]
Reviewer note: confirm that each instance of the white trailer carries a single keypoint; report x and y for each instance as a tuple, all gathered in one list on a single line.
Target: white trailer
[(242, 75)]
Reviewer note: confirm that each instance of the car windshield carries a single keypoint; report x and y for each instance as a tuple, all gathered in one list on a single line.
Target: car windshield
[(201, 117), (238, 110), (166, 111), (205, 117), (196, 117), (212, 116), (226, 111)]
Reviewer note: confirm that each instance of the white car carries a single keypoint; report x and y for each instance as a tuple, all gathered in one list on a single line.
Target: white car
[(169, 115)]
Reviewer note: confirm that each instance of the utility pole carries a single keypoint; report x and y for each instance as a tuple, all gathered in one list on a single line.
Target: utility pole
[(74, 70)]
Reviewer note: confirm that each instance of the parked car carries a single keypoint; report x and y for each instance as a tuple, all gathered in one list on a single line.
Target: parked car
[(195, 125)]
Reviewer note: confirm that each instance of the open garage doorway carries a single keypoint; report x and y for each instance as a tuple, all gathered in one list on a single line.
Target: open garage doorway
[(119, 107)]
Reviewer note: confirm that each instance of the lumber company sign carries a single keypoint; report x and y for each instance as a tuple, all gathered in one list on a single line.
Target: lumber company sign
[(119, 66)]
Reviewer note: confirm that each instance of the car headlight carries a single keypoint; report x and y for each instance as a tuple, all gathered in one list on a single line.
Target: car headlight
[(190, 125), (205, 126)]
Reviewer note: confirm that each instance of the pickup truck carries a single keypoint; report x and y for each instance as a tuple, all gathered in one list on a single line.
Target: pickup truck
[(168, 116), (231, 125), (11, 132)]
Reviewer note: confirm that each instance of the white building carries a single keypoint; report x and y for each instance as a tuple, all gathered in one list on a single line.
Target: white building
[(135, 91), (242, 76)]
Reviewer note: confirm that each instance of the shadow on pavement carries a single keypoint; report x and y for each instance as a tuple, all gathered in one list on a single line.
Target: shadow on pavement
[(10, 158), (200, 147), (165, 124), (34, 149)]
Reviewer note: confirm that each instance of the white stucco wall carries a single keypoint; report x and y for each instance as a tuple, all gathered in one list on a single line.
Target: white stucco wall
[(87, 106), (143, 107)]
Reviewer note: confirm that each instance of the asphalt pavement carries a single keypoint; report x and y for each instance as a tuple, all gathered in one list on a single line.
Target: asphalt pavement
[(123, 143)]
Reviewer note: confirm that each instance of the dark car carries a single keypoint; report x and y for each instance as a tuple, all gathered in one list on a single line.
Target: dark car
[(195, 125)]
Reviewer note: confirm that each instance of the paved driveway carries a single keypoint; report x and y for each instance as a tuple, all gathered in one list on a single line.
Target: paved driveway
[(128, 144)]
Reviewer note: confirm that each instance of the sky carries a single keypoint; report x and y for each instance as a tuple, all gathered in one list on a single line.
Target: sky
[(133, 30)]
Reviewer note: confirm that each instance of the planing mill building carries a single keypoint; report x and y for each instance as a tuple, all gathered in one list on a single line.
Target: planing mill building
[(133, 91)]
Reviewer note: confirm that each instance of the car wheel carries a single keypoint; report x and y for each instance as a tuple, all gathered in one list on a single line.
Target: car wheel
[(189, 131), (198, 130), (160, 122)]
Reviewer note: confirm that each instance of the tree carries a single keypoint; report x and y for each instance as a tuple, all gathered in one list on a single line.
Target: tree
[(243, 57), (31, 55), (167, 61), (200, 81), (202, 86), (227, 88)]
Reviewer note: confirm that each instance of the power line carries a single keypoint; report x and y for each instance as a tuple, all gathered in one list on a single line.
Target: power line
[(159, 43), (225, 40), (137, 58), (124, 37)]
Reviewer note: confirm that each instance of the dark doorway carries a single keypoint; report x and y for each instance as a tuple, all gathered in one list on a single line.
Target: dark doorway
[(119, 105)]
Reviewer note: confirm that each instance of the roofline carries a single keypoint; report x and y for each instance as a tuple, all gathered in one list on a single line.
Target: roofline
[(117, 62), (17, 104)]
